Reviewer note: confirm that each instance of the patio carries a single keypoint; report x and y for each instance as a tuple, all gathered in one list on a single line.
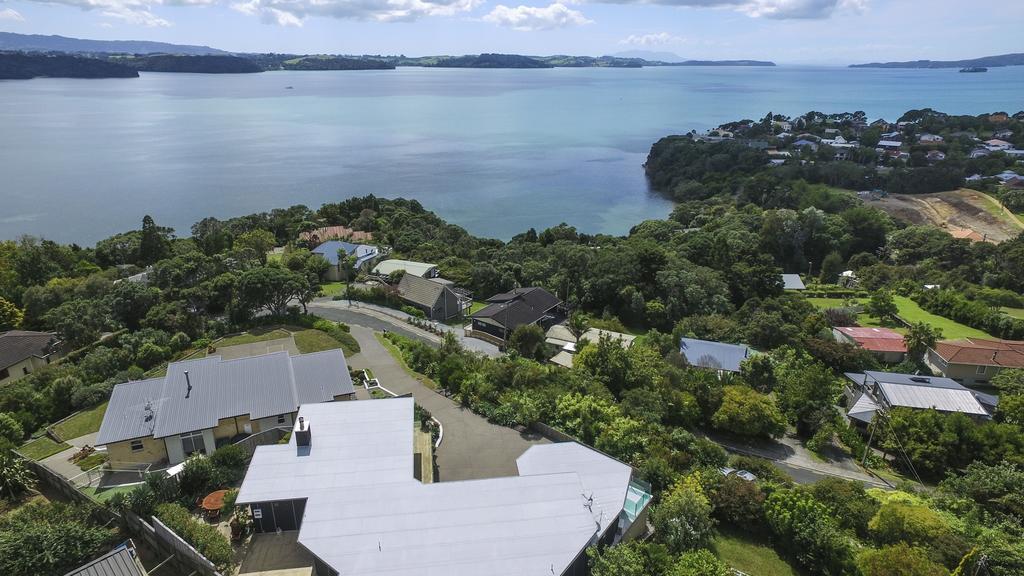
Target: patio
[(276, 555)]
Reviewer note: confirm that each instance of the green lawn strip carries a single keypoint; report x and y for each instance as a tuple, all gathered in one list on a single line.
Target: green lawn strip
[(911, 312), (251, 337), (750, 555), (105, 494), (1013, 312), (85, 422), (42, 447), (92, 460), (317, 341), (333, 288), (477, 306), (397, 354)]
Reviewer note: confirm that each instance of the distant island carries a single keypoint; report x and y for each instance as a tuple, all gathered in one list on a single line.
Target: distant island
[(18, 66), (208, 64), (1016, 59)]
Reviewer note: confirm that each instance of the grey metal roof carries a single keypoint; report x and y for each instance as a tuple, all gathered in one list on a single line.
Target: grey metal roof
[(924, 392), (792, 282), (259, 386), (118, 562), (714, 355), (366, 515), (420, 290)]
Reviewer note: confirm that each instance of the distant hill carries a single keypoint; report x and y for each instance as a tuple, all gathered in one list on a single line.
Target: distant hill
[(651, 56), (487, 61), (986, 62), (716, 63), (318, 62), (591, 62), (211, 64), (40, 43), (18, 66)]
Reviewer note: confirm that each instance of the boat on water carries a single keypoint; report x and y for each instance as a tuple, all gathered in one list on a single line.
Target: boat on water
[(974, 69)]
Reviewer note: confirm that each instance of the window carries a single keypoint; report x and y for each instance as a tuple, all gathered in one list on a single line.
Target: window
[(981, 369), (25, 371), (193, 443), (281, 419), (4, 374), (136, 445)]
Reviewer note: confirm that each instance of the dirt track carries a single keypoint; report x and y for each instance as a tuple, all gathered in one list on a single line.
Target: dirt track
[(957, 209)]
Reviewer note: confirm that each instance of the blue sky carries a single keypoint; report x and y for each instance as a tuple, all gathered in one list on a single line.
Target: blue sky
[(786, 31)]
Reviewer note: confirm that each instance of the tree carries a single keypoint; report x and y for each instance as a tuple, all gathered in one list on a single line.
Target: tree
[(80, 322), (10, 429), (131, 301), (1011, 394), (683, 518), (807, 391), (831, 268), (898, 560), (528, 340), (269, 288), (848, 501), (882, 306), (50, 538), (626, 559), (746, 412), (699, 563), (153, 243), (578, 324), (758, 372), (10, 315), (254, 245), (897, 522), (739, 502), (15, 477), (919, 338), (808, 531)]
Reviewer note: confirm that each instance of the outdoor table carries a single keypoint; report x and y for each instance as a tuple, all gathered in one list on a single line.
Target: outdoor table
[(214, 501)]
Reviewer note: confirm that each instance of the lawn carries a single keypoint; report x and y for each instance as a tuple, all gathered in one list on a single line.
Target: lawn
[(1017, 313), (397, 354), (476, 307), (259, 335), (750, 555), (104, 494), (333, 288), (911, 312), (92, 460), (85, 422), (317, 341), (42, 447)]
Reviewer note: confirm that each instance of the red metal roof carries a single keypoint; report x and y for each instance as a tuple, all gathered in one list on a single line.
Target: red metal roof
[(982, 352), (875, 339)]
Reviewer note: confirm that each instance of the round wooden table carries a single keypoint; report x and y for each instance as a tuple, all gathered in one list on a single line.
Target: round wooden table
[(214, 501)]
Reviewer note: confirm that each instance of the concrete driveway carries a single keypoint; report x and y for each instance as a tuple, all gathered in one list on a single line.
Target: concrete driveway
[(472, 447)]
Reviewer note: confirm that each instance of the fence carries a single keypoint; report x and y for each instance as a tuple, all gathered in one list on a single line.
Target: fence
[(181, 549), (264, 438)]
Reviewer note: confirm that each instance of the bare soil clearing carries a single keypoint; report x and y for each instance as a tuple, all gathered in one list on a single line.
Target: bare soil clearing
[(958, 209)]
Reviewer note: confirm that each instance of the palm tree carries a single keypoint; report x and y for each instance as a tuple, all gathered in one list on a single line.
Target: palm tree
[(577, 324), (919, 338)]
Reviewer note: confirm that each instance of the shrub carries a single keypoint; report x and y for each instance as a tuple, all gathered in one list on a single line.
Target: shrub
[(808, 532), (50, 538), (897, 522), (413, 311), (196, 477), (229, 502), (229, 464), (203, 537), (10, 429), (848, 502), (738, 502), (180, 341), (683, 518), (898, 560), (89, 396), (699, 563), (150, 355), (15, 477), (747, 412)]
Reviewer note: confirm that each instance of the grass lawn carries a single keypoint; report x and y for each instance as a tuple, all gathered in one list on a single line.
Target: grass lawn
[(476, 307), (42, 447), (397, 354), (104, 494), (750, 555), (333, 288), (1017, 313), (317, 341), (257, 335), (85, 422), (92, 460), (911, 312)]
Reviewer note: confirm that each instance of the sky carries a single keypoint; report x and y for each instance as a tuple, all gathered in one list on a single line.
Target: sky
[(785, 31)]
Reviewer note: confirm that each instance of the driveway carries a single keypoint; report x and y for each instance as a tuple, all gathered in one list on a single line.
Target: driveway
[(60, 463), (472, 447), (381, 318)]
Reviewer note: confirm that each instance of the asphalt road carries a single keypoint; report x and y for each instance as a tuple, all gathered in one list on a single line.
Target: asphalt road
[(371, 322)]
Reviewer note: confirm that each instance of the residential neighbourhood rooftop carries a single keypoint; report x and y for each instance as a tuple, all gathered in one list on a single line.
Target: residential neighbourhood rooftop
[(982, 352), (875, 339), (195, 394), (336, 233), (19, 345), (422, 269), (121, 561), (911, 391), (329, 251), (714, 355), (792, 282), (365, 514), (517, 307)]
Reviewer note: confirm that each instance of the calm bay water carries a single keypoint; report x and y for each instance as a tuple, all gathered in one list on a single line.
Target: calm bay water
[(496, 151)]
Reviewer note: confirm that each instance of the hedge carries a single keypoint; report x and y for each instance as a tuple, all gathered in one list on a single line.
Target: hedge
[(203, 537)]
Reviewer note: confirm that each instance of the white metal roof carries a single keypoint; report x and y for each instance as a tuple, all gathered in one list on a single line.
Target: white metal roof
[(365, 515), (416, 268)]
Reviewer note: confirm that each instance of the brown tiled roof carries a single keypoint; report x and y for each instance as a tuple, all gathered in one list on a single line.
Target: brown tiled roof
[(17, 345), (982, 352), (336, 233), (875, 339)]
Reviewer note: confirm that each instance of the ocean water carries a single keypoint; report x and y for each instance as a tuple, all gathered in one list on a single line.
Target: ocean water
[(496, 151)]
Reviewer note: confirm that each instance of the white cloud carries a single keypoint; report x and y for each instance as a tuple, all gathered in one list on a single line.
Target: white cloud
[(777, 9), (11, 14), (658, 39), (530, 18), (294, 12)]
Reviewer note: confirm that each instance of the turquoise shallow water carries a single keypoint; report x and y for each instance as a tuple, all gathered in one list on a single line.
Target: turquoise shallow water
[(496, 151)]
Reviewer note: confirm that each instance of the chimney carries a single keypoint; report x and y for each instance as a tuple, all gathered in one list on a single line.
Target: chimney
[(303, 434), (188, 384)]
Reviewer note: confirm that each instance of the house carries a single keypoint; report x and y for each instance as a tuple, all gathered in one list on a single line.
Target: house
[(881, 124), (974, 178), (889, 144), (140, 278), (346, 483), (714, 355), (840, 142), (335, 233), (973, 361), (121, 561), (934, 156), (848, 279), (421, 269), (1017, 182), (436, 297), (560, 336), (872, 391), (792, 282), (886, 344), (1003, 134), (782, 125), (201, 404), (996, 144), (331, 251), (23, 352), (929, 139), (965, 234), (998, 117), (1007, 175), (806, 143), (980, 152), (520, 307)]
